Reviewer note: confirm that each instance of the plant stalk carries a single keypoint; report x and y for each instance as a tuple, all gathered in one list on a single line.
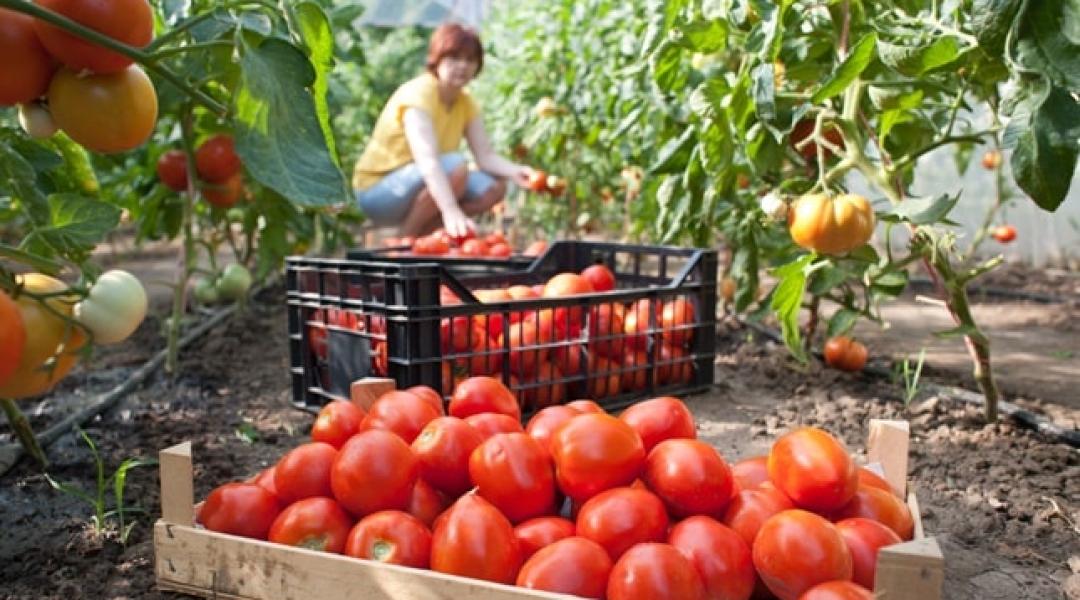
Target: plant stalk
[(23, 431)]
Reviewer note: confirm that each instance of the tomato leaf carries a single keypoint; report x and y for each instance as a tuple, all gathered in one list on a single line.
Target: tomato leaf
[(318, 38), (827, 278), (916, 55), (787, 301), (20, 178), (849, 70), (1045, 142), (705, 36), (667, 68), (1047, 42), (842, 321), (991, 21), (922, 210), (763, 87), (76, 224), (744, 269), (675, 154)]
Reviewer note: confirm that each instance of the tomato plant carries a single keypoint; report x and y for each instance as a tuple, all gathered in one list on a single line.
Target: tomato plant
[(243, 509), (390, 536)]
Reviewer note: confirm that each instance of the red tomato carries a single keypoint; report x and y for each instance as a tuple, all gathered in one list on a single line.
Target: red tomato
[(596, 452), (672, 366), (751, 472), (550, 390), (128, 21), (660, 419), (375, 470), (443, 449), (534, 534), (750, 508), (636, 323), (881, 506), (601, 277), (304, 472), (391, 536), (243, 509), (483, 394), (653, 571), (538, 181), (604, 378), (635, 374), (431, 245), (690, 477), (606, 336), (864, 538), (573, 565), (720, 555), (536, 248), (837, 590), (500, 250), (172, 170), (216, 160), (265, 480), (477, 541), (844, 353), (226, 193), (804, 129), (474, 248), (425, 503), (430, 396), (312, 523), (622, 517), (26, 66), (869, 478), (400, 412), (796, 550), (814, 469), (514, 473), (674, 316), (543, 424), (495, 238), (337, 422), (586, 407), (1003, 234), (524, 340), (489, 424), (568, 358), (561, 286)]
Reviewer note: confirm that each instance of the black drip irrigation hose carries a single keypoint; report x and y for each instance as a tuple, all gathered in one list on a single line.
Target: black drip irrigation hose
[(1021, 416)]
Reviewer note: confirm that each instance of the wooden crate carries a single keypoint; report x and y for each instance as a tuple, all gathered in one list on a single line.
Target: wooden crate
[(204, 563)]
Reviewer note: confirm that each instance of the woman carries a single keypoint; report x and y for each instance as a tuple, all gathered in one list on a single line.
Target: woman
[(412, 173)]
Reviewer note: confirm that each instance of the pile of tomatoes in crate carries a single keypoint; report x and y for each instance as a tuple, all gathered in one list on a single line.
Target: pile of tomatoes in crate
[(441, 243), (578, 501)]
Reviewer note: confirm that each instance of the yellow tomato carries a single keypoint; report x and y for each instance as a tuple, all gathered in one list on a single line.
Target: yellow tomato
[(52, 344), (104, 113), (831, 224)]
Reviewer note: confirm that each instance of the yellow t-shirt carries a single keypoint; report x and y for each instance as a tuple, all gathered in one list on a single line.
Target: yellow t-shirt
[(388, 148)]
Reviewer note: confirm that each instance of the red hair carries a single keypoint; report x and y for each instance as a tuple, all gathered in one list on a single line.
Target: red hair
[(452, 39)]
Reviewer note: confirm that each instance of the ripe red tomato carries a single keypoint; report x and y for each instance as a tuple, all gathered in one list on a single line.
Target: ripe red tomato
[(216, 160), (490, 424), (601, 277), (750, 472), (337, 422), (844, 353), (536, 248), (837, 590), (245, 509), (128, 21), (477, 541), (391, 536), (586, 407), (606, 336), (864, 538), (568, 320), (750, 508), (443, 449), (542, 425), (25, 66), (871, 479), (304, 472), (265, 480), (796, 550), (514, 473), (425, 503), (524, 338), (172, 170), (651, 571), (483, 394), (672, 366), (540, 532), (1004, 233), (635, 373), (636, 323), (596, 452), (573, 565), (224, 194), (604, 378), (375, 470), (690, 477), (881, 506), (660, 419), (428, 395), (676, 321), (400, 412), (720, 555), (474, 248), (312, 523), (430, 245), (538, 181), (500, 250), (814, 469), (622, 517)]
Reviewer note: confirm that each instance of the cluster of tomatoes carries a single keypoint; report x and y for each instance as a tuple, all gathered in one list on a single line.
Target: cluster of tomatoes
[(441, 243), (577, 501), (541, 182), (218, 167), (99, 97)]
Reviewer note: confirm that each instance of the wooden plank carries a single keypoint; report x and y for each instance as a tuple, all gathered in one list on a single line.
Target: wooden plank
[(913, 570), (177, 485), (215, 565), (365, 391), (888, 445), (916, 513)]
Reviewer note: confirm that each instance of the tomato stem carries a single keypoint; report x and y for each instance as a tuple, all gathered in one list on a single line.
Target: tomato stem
[(23, 431)]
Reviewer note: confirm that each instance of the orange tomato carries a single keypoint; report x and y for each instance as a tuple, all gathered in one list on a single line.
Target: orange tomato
[(814, 469), (831, 224), (844, 353)]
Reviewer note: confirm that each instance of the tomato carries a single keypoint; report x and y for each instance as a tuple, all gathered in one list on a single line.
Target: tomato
[(483, 394), (568, 359), (244, 509), (443, 449), (537, 181), (495, 238), (25, 66), (844, 353), (596, 452), (265, 480), (586, 407), (542, 425), (37, 122), (636, 324), (814, 469), (831, 224), (514, 473), (719, 555), (430, 245), (524, 340), (477, 541), (216, 160), (606, 336), (12, 335), (391, 536), (751, 472), (872, 479), (224, 194), (312, 523), (676, 322), (573, 565), (837, 590), (750, 508), (690, 477), (550, 391), (400, 412), (304, 472), (428, 395), (337, 422), (234, 283), (490, 424), (555, 185), (881, 506), (604, 379), (540, 532), (991, 160), (568, 320), (864, 538), (654, 571), (425, 503), (500, 250), (114, 308), (535, 249), (804, 129), (104, 113), (673, 365), (796, 550), (600, 277), (1004, 233), (619, 518), (474, 248), (660, 419), (172, 170), (635, 371), (375, 470), (127, 21)]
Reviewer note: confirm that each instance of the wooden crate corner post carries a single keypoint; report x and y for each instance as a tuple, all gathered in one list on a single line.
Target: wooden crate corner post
[(364, 392), (177, 485)]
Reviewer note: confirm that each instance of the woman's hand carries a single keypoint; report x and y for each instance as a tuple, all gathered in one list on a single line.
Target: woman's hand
[(521, 175), (456, 223)]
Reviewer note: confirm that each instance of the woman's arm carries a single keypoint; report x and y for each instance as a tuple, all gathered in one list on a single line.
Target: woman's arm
[(420, 133), (488, 160)]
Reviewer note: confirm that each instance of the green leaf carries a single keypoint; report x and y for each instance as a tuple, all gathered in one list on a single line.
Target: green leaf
[(1048, 40), (674, 155), (763, 88), (21, 179), (918, 58), (842, 321), (705, 37), (744, 269), (962, 330), (1046, 143), (75, 225), (667, 68), (278, 134), (891, 283), (827, 278), (922, 210), (318, 38), (991, 21), (849, 70), (787, 301)]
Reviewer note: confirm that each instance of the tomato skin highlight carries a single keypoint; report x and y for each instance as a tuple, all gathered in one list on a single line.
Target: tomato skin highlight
[(596, 452)]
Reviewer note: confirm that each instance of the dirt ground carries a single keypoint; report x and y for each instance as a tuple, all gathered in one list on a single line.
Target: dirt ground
[(1003, 501)]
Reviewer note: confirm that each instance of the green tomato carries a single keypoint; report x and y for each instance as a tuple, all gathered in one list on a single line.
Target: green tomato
[(234, 282), (36, 121), (114, 308), (206, 292)]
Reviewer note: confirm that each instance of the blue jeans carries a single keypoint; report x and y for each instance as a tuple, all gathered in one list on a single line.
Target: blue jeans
[(388, 201)]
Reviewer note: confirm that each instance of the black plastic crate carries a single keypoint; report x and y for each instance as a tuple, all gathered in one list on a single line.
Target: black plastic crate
[(422, 323), (467, 265)]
